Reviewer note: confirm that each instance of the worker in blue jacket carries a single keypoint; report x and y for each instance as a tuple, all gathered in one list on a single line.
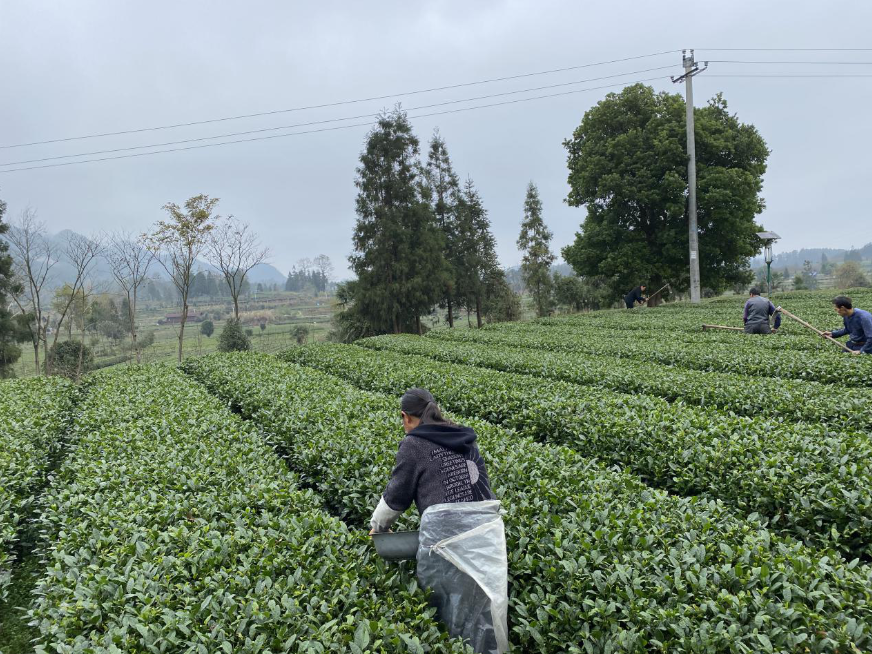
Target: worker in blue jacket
[(858, 326)]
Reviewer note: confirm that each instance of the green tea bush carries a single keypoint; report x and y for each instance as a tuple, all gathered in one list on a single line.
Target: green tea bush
[(175, 528), (69, 359), (744, 355), (750, 396), (598, 562), (810, 482), (34, 415), (815, 308), (669, 331), (233, 338)]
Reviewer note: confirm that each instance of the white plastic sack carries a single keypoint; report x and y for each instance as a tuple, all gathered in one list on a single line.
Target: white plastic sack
[(462, 559)]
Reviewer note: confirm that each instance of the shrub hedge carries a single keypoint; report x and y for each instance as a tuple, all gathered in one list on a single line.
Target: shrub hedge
[(598, 562), (175, 528), (34, 415), (813, 483), (751, 396)]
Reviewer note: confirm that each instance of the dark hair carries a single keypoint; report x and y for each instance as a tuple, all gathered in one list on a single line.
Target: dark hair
[(754, 291), (843, 301), (419, 402)]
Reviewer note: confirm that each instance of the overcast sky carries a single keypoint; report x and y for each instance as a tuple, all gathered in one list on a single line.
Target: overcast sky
[(76, 68)]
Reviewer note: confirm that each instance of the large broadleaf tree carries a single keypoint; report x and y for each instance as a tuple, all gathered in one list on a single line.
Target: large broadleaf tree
[(628, 166)]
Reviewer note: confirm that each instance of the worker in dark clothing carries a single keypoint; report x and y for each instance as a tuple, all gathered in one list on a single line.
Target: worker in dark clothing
[(636, 295), (757, 312), (462, 544), (857, 326), (433, 447)]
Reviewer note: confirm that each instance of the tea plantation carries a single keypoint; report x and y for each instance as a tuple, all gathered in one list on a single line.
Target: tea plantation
[(666, 490)]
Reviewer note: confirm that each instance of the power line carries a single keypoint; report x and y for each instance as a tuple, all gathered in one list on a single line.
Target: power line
[(787, 76), (341, 127), (328, 129), (786, 49), (809, 63), (338, 103), (326, 121)]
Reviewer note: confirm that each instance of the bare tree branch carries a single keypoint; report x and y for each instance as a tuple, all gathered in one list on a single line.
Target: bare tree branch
[(87, 290), (305, 265), (235, 250), (129, 260), (34, 257), (323, 264), (81, 253)]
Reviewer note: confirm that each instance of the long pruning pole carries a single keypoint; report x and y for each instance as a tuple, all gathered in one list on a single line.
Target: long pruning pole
[(814, 329), (653, 295), (658, 292), (731, 329)]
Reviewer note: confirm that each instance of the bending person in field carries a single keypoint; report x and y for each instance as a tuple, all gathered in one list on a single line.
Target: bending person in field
[(857, 326), (462, 546), (636, 295), (757, 312)]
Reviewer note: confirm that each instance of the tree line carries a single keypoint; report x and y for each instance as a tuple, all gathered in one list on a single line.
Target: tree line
[(422, 240), (302, 278), (31, 313), (310, 275), (204, 284), (849, 274), (423, 243)]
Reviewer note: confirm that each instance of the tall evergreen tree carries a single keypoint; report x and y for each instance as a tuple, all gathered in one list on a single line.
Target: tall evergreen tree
[(398, 247), (198, 284), (501, 303), (533, 241), (476, 250), (9, 351), (442, 189)]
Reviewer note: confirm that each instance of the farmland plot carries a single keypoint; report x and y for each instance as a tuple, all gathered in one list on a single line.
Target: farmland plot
[(598, 562), (175, 528), (809, 482), (741, 521)]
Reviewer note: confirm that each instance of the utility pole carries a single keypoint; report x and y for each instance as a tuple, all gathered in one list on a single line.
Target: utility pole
[(691, 69)]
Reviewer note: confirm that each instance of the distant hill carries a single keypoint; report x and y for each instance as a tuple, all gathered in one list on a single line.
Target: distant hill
[(63, 273), (265, 273), (262, 273), (795, 258), (516, 283)]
